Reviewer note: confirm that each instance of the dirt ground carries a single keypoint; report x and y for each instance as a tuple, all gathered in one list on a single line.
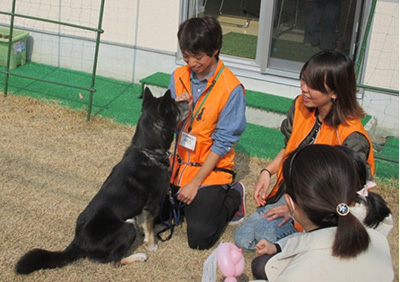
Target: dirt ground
[(53, 162)]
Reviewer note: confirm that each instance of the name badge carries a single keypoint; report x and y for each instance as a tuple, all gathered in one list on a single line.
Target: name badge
[(188, 141)]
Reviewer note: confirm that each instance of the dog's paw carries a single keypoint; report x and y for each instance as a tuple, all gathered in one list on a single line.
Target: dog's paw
[(138, 257), (151, 248)]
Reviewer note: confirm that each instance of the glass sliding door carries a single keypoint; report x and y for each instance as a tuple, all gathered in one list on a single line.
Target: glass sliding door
[(278, 36), (302, 28), (239, 21)]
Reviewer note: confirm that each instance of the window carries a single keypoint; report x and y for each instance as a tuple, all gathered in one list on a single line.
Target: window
[(278, 36)]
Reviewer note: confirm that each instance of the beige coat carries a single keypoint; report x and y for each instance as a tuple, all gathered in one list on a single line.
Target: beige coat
[(307, 257)]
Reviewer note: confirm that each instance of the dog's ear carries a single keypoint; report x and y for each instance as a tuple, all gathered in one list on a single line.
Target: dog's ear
[(167, 100), (167, 95), (147, 97)]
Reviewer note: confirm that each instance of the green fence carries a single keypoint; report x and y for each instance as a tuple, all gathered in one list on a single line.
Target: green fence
[(12, 38)]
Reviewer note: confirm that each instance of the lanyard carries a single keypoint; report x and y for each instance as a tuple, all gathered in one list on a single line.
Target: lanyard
[(192, 117)]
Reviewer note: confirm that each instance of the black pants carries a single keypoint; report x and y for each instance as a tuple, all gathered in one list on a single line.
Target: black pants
[(322, 23), (208, 214), (258, 266)]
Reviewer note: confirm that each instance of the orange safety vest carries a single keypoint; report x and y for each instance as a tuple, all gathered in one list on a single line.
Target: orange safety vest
[(188, 163), (303, 122)]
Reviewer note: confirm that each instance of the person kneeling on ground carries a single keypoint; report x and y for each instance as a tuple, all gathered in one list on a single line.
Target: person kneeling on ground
[(202, 173)]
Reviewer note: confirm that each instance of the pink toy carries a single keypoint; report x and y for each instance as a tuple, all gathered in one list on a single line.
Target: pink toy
[(230, 261)]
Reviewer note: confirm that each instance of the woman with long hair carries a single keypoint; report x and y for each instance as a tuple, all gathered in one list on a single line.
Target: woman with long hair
[(326, 112), (321, 184)]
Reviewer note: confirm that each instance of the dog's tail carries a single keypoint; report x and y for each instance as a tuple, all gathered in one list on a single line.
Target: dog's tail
[(37, 259)]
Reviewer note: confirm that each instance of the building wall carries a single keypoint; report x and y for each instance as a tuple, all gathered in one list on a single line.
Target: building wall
[(139, 39)]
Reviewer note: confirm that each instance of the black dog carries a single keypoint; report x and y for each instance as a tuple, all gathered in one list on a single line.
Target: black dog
[(104, 231)]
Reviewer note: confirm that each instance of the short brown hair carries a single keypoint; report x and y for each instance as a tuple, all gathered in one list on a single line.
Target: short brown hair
[(197, 35)]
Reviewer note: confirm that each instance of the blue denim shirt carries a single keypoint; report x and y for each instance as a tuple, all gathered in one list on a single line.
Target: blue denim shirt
[(232, 120)]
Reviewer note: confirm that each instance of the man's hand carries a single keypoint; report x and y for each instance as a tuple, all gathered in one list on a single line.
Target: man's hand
[(185, 97), (187, 193)]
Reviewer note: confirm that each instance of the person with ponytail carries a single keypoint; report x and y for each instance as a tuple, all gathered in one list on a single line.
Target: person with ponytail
[(370, 208), (321, 184)]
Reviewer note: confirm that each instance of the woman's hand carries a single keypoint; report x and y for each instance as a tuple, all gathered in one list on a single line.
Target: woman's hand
[(277, 212), (265, 247), (264, 180), (261, 188)]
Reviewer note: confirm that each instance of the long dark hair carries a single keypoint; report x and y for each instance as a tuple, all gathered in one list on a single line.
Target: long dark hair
[(319, 178), (328, 71), (197, 35), (377, 209)]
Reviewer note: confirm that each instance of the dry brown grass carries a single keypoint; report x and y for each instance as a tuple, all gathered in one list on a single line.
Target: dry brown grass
[(53, 162)]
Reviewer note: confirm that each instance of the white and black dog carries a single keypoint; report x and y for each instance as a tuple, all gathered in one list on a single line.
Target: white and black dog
[(104, 231)]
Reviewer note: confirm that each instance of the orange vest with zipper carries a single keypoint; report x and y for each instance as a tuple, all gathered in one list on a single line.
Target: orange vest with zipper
[(303, 122), (188, 163)]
